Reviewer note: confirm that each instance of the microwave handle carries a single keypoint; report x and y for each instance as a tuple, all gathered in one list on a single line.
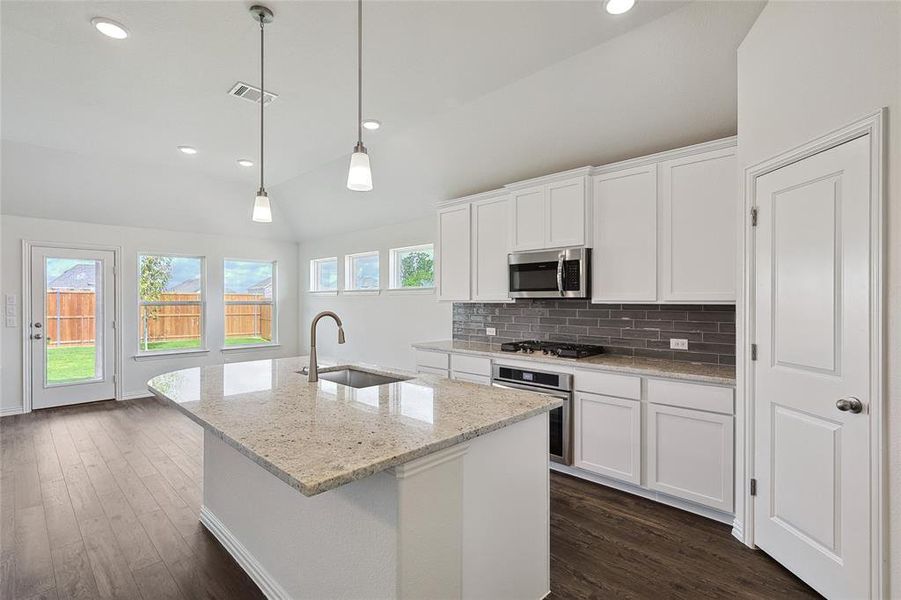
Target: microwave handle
[(560, 272)]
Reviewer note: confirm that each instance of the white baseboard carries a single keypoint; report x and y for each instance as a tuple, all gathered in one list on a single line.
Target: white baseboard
[(11, 410), (691, 507), (242, 556), (136, 395), (738, 531)]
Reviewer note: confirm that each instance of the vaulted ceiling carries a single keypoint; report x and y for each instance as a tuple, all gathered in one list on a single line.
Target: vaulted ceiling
[(471, 94)]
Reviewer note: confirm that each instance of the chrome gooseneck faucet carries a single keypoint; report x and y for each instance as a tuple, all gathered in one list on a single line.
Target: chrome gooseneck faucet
[(314, 366)]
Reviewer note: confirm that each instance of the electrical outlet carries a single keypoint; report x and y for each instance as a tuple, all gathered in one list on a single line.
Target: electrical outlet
[(490, 331), (10, 299), (10, 310), (677, 344), (10, 321)]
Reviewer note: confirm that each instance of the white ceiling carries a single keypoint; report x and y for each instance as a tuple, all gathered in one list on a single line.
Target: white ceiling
[(472, 95)]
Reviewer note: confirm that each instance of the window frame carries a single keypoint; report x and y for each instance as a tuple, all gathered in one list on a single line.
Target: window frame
[(393, 272), (202, 303), (273, 302), (313, 288), (348, 273)]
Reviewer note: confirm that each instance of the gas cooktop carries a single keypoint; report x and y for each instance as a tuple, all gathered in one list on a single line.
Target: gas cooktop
[(553, 348)]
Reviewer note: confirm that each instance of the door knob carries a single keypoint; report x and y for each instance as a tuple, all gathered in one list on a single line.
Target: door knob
[(37, 325), (37, 336), (849, 404)]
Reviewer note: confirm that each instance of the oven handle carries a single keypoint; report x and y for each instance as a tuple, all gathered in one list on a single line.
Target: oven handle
[(560, 272), (528, 388)]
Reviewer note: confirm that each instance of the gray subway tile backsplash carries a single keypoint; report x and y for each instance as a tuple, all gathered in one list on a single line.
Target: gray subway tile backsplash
[(631, 329)]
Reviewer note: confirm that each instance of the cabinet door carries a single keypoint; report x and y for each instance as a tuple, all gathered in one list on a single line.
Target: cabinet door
[(624, 254), (491, 244), (690, 455), (565, 220), (698, 203), (453, 253), (528, 207), (608, 436)]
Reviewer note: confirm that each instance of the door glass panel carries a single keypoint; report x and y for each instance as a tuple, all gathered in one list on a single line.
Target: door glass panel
[(73, 340)]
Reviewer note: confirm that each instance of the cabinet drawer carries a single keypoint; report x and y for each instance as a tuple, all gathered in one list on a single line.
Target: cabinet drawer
[(480, 379), (692, 395), (436, 360), (432, 371), (474, 365), (608, 384)]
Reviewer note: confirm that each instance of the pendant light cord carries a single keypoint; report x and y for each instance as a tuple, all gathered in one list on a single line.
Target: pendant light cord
[(262, 99), (360, 72)]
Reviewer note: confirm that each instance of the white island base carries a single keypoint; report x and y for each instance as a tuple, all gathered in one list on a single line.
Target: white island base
[(469, 521)]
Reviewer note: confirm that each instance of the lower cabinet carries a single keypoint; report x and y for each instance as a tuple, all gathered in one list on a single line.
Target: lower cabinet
[(690, 455), (607, 436)]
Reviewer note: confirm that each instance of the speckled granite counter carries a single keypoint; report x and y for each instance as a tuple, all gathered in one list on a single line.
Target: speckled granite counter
[(318, 436), (649, 367)]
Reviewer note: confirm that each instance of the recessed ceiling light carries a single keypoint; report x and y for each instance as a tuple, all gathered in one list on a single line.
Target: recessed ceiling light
[(371, 124), (618, 7), (245, 162), (188, 149), (110, 28)]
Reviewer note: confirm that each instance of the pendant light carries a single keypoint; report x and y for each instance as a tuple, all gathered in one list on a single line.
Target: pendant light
[(262, 212), (359, 175)]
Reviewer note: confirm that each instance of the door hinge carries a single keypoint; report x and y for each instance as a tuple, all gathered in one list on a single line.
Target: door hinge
[(754, 217), (753, 351), (753, 487)]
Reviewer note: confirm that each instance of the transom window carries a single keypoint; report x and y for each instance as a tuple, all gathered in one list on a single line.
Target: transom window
[(361, 271), (170, 302), (412, 267), (324, 274), (249, 301)]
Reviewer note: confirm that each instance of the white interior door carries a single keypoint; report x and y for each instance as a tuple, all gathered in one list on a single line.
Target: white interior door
[(812, 464), (72, 338)]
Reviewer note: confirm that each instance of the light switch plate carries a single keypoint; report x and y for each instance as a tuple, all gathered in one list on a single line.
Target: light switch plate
[(10, 299), (10, 310), (490, 331), (10, 321), (677, 344)]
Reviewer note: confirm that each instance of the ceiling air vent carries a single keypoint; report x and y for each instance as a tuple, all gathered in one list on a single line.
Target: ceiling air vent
[(245, 91)]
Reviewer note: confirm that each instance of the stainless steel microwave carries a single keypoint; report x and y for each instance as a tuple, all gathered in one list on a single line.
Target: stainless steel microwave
[(550, 273)]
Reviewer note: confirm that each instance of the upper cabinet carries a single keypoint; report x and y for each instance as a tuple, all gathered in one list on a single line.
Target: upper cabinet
[(698, 203), (453, 253), (490, 246), (549, 214)]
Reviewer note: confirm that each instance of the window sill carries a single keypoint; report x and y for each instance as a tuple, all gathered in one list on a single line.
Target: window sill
[(361, 292), (419, 290), (248, 348), (169, 354), (323, 292)]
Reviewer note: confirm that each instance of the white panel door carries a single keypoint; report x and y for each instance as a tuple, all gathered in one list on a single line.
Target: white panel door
[(624, 254), (698, 203), (453, 253), (812, 511), (566, 213), (691, 455), (529, 215), (608, 436), (72, 336), (491, 244)]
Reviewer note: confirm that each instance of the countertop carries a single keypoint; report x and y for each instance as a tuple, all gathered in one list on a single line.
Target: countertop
[(650, 367), (318, 436)]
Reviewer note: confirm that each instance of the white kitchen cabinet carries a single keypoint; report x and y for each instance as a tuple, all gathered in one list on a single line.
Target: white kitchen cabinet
[(698, 199), (690, 455), (624, 255), (452, 253), (607, 436), (490, 246), (529, 211), (565, 220)]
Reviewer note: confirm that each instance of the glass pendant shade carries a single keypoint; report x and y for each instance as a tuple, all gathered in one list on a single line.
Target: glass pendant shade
[(262, 212), (359, 176)]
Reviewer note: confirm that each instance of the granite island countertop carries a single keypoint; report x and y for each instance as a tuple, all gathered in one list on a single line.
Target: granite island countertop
[(319, 436), (648, 367)]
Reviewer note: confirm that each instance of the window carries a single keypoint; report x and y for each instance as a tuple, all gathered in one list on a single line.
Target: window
[(361, 271), (324, 274), (249, 302), (170, 303), (413, 267)]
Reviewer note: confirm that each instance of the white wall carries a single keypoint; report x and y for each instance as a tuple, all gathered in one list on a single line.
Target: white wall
[(804, 69), (379, 328), (134, 241)]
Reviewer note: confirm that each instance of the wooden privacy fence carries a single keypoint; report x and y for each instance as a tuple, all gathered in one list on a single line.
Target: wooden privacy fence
[(71, 314)]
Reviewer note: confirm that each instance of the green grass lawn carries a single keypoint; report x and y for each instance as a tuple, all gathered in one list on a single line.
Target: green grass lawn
[(68, 363)]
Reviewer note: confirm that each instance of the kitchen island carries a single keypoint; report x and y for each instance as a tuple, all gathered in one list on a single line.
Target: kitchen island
[(420, 487)]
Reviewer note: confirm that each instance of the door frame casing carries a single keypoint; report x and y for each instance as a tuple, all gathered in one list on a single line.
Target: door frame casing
[(873, 125), (27, 246)]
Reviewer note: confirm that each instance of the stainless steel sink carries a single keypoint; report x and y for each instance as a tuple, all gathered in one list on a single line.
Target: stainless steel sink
[(358, 379)]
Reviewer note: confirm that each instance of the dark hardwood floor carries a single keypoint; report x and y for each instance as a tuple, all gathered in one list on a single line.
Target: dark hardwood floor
[(102, 501)]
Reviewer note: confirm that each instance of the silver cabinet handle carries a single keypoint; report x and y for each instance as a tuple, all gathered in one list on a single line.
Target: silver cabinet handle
[(560, 273), (849, 404)]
